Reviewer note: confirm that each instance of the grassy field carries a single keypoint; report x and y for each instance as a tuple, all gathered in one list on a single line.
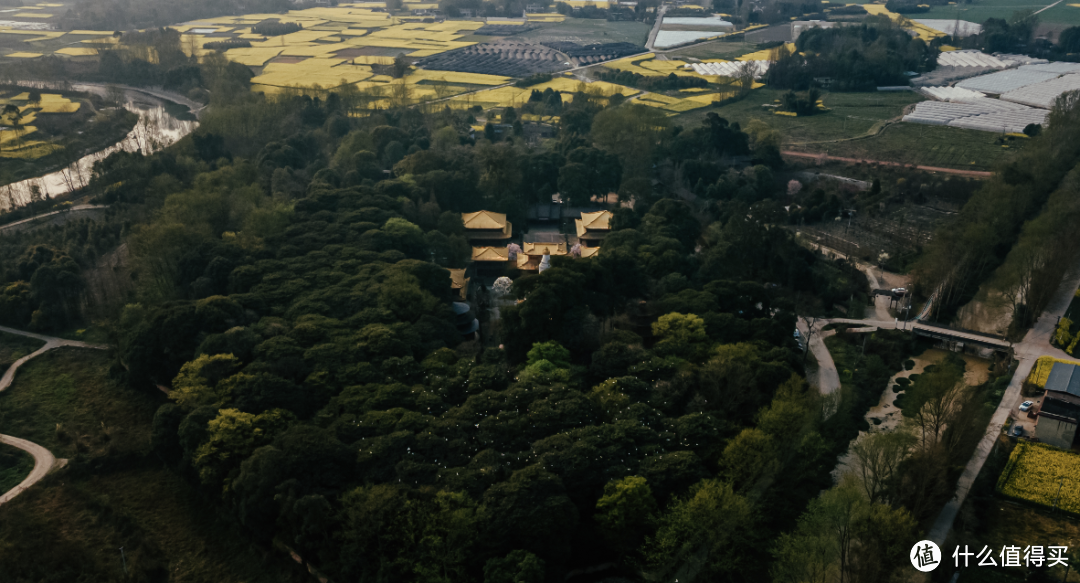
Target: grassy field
[(588, 30), (14, 347), (70, 526), (851, 115), (61, 401), (715, 50), (979, 11), (924, 145), (15, 464)]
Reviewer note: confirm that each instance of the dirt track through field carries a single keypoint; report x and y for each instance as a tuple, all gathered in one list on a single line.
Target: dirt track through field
[(966, 173)]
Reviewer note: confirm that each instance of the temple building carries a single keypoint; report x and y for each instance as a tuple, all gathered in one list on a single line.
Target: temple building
[(593, 227)]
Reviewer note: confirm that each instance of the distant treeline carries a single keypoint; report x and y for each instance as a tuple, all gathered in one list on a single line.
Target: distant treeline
[(275, 28), (651, 83), (126, 15), (224, 45)]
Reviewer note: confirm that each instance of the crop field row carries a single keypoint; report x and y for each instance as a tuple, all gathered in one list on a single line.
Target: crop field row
[(1044, 475), (13, 139)]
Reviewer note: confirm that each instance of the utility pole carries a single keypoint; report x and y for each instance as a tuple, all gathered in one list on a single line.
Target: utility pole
[(124, 560)]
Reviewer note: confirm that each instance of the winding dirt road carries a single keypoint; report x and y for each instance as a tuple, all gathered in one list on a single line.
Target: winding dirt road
[(811, 155), (44, 461)]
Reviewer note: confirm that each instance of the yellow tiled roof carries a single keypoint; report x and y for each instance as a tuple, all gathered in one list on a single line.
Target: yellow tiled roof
[(539, 249), (490, 254), (595, 224), (598, 221), (484, 220), (457, 278), (590, 251)]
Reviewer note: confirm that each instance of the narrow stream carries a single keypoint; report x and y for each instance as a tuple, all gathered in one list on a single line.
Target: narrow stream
[(160, 125)]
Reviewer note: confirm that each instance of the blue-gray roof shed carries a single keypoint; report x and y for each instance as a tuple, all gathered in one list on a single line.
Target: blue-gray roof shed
[(1064, 378)]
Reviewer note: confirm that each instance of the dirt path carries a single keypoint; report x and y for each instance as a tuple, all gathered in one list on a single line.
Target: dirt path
[(966, 173), (44, 461)]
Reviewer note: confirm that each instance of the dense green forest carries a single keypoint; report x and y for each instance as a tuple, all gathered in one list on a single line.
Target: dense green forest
[(285, 280), (874, 54)]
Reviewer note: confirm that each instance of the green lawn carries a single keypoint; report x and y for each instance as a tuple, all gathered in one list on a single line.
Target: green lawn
[(70, 526), (589, 30), (13, 347)]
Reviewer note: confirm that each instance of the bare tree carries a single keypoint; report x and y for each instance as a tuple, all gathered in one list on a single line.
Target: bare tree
[(879, 456)]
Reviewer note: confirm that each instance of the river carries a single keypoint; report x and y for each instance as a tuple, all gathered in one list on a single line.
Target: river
[(157, 128)]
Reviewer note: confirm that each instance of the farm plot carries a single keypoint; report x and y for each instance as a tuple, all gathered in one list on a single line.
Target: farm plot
[(1005, 81), (14, 142), (924, 145), (1043, 94), (589, 30), (507, 58), (1043, 475), (594, 53), (503, 29), (680, 30), (978, 114)]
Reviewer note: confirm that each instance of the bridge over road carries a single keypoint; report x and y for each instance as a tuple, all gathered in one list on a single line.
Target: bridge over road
[(935, 331)]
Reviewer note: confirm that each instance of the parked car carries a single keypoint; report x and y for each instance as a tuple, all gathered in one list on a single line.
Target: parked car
[(1017, 431), (1026, 405)]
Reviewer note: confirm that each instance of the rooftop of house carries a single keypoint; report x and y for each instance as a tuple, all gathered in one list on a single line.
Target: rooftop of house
[(490, 254), (1066, 408), (590, 251), (1064, 378)]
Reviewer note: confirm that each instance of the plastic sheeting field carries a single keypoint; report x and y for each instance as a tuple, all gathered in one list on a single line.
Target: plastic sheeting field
[(1005, 81), (1043, 94)]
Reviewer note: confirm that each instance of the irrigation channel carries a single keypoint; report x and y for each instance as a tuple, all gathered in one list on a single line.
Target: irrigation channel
[(164, 119)]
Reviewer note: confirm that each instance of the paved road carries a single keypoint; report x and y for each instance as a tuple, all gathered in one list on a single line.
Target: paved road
[(81, 207), (825, 378), (1035, 344), (967, 173), (656, 27), (43, 459), (1046, 8), (43, 463)]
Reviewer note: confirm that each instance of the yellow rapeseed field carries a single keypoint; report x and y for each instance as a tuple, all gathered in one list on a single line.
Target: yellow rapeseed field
[(1041, 371), (1042, 474)]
